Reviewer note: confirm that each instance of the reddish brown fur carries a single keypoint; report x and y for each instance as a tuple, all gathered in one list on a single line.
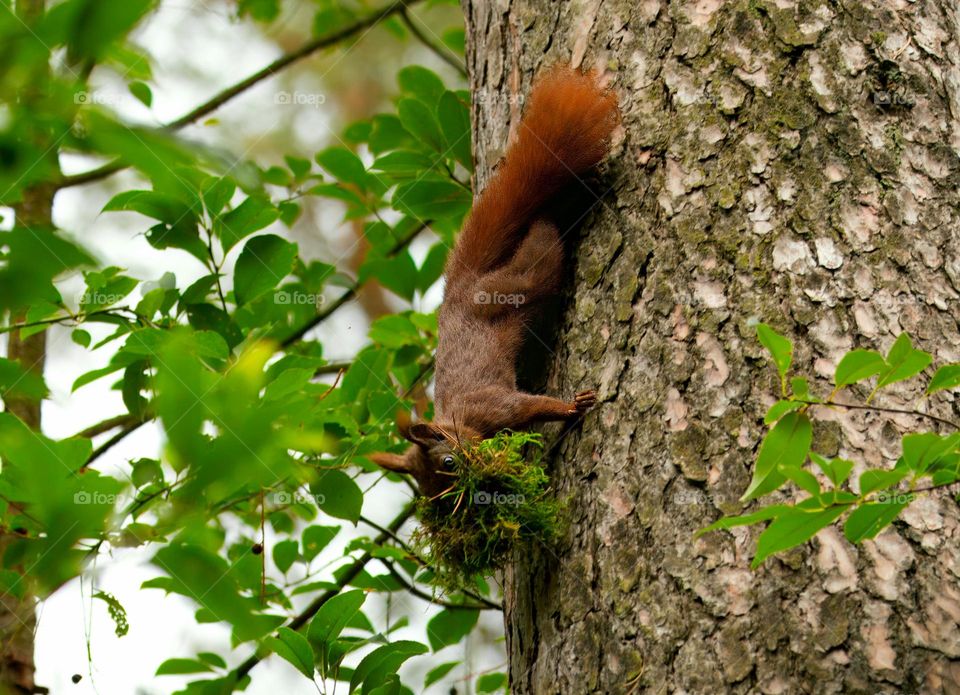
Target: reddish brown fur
[(506, 250)]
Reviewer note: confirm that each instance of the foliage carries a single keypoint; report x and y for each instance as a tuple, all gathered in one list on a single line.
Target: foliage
[(929, 460), (497, 504), (244, 509)]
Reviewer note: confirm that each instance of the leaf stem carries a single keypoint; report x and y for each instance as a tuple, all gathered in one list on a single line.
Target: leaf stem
[(881, 409)]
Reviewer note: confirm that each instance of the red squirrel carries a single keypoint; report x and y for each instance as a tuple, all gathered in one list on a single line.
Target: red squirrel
[(507, 259)]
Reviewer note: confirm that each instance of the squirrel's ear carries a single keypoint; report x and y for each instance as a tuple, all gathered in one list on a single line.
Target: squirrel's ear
[(425, 434), (392, 462)]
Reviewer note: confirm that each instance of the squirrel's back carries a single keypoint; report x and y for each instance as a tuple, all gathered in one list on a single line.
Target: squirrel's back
[(565, 131)]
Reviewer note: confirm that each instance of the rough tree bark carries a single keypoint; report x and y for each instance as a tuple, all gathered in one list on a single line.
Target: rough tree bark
[(795, 163)]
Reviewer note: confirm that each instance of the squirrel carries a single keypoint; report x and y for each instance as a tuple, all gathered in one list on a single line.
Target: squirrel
[(506, 261)]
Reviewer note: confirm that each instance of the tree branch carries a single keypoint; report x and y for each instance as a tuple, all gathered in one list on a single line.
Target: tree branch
[(107, 425), (243, 85), (132, 426)]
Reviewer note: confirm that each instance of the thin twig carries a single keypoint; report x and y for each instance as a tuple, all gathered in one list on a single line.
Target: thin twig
[(116, 439), (487, 606), (423, 563), (107, 425), (898, 411), (441, 51)]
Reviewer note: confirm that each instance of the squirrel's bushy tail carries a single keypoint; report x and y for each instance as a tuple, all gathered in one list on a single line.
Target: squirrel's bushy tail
[(565, 131)]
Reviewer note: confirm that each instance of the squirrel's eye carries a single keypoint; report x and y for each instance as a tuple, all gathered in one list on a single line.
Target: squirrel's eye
[(447, 461)]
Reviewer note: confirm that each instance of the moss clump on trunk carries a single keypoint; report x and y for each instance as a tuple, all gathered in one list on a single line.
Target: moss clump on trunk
[(497, 502)]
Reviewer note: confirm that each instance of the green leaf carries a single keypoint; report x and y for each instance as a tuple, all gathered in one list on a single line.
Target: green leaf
[(316, 538), (836, 470), (338, 495), (450, 626), (344, 165), (395, 331), (873, 480), (781, 408), (432, 268), (374, 669), (179, 667), (785, 446), (252, 215), (867, 520), (285, 554), (764, 514), (419, 119), (295, 648), (438, 672), (216, 192), (428, 199), (397, 274), (93, 26), (142, 92), (491, 683), (454, 117), (903, 362), (264, 262), (920, 451), (18, 382), (388, 133), (803, 478), (421, 83), (403, 162), (159, 206), (793, 528), (334, 615), (260, 10), (858, 365), (779, 348), (288, 383), (80, 337), (947, 377)]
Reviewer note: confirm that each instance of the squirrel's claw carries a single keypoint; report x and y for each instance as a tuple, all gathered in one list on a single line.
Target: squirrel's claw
[(582, 402)]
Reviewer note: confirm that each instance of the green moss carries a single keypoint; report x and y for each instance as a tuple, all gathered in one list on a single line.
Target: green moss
[(497, 502)]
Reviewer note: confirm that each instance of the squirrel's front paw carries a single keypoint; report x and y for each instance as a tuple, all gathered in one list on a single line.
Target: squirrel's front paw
[(582, 402)]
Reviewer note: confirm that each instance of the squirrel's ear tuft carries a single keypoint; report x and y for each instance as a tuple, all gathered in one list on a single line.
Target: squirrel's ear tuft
[(392, 462), (425, 434)]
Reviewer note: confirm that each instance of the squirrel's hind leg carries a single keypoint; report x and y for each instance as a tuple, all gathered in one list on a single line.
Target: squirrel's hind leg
[(532, 274)]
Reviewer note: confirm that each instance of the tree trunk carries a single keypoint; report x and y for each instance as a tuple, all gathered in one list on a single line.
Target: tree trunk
[(793, 163), (18, 618)]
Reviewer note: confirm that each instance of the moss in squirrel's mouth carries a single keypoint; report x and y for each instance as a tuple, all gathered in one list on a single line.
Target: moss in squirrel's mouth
[(497, 501)]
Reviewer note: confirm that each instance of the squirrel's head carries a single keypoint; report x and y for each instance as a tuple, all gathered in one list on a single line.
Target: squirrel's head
[(430, 457)]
